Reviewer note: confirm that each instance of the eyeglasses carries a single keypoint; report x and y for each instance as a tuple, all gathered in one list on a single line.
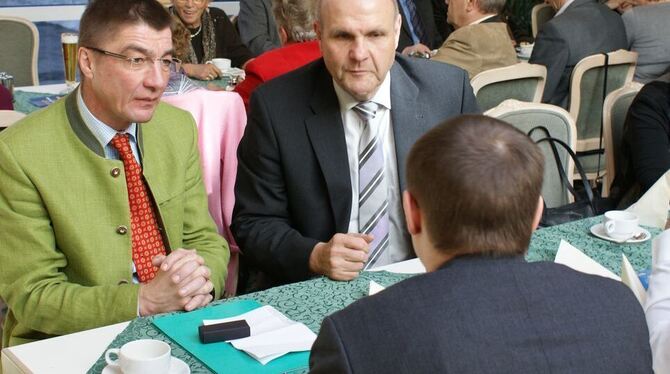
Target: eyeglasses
[(142, 63), (196, 2)]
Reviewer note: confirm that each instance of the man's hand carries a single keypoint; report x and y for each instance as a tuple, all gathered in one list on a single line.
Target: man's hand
[(205, 72), (342, 258), (182, 282), (417, 49)]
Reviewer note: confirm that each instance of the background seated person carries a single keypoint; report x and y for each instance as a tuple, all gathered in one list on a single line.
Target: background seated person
[(422, 28), (646, 28), (103, 212), (569, 37), (295, 19), (645, 150), (480, 41), (212, 36), (258, 29), (472, 203)]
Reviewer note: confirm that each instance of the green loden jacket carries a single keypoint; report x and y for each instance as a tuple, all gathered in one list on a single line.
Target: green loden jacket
[(65, 240)]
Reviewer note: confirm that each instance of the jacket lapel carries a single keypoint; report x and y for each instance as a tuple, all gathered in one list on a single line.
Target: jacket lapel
[(326, 133), (405, 111)]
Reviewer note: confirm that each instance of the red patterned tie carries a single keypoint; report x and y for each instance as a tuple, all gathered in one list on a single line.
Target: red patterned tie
[(146, 238)]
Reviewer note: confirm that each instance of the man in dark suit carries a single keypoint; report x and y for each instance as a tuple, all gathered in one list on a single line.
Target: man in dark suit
[(422, 28), (472, 203), (303, 160), (579, 29)]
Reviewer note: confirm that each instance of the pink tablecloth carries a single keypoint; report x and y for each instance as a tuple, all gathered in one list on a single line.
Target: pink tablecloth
[(221, 119)]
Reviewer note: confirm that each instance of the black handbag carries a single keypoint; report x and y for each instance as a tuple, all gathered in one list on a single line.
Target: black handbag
[(583, 206)]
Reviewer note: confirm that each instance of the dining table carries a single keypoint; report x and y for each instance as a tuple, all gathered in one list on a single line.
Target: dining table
[(310, 301)]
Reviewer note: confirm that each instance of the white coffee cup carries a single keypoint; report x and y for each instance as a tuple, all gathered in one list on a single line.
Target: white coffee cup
[(621, 225), (221, 63), (144, 356)]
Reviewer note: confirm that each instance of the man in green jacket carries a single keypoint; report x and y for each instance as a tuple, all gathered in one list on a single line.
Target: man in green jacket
[(103, 213)]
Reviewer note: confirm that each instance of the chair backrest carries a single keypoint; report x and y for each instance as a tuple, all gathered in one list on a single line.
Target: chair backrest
[(539, 15), (525, 117), (8, 117), (614, 116), (522, 81), (19, 50), (586, 92)]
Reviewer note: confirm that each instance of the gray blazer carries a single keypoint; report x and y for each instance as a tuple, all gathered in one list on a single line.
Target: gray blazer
[(257, 26), (585, 28), (647, 29), (293, 188), (489, 315)]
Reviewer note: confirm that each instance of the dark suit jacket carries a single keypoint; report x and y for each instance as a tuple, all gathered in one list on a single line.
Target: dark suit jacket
[(489, 315), (585, 28), (293, 187), (426, 13)]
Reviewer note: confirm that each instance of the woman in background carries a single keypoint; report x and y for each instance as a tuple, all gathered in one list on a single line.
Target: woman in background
[(212, 36)]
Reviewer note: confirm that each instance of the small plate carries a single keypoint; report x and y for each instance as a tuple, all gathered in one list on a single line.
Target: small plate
[(177, 366), (599, 231)]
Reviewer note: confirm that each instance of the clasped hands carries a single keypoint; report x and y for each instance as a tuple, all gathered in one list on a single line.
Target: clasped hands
[(181, 283), (342, 258)]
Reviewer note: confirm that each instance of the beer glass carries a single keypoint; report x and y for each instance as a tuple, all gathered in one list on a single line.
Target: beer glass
[(69, 42)]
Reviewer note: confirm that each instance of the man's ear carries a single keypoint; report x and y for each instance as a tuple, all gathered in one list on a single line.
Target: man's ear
[(538, 213), (412, 213), (283, 35), (85, 62)]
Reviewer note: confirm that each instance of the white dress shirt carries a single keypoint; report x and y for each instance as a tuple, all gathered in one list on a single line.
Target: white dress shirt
[(399, 243), (657, 307)]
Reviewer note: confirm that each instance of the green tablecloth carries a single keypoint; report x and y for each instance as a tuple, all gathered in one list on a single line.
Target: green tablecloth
[(310, 301)]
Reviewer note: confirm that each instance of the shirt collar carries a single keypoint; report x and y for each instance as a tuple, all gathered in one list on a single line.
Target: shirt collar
[(564, 7), (102, 132), (381, 97), (482, 19)]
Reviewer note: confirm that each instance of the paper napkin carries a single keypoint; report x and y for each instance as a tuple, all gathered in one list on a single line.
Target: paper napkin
[(272, 334), (577, 260)]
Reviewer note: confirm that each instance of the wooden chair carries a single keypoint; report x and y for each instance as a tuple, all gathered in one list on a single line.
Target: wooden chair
[(586, 100), (614, 116), (539, 15), (20, 48), (522, 81), (559, 123)]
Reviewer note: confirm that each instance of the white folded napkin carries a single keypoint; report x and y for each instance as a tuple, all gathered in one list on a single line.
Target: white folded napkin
[(572, 257), (652, 207), (272, 334)]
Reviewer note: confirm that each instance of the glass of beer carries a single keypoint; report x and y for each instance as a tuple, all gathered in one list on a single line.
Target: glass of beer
[(69, 42)]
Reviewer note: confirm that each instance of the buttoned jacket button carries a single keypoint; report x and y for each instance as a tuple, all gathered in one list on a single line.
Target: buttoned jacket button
[(115, 172), (123, 281), (122, 230)]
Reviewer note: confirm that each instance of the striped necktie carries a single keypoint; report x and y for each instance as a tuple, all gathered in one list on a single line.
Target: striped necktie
[(373, 216), (415, 21), (145, 236)]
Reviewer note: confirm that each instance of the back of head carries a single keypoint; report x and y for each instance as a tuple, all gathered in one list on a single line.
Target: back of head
[(477, 181), (491, 6), (296, 17), (102, 18)]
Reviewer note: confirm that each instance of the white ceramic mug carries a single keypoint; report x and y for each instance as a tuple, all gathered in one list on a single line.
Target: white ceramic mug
[(221, 63), (144, 356), (620, 225)]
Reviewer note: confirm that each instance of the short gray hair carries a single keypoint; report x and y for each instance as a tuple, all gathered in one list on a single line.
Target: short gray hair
[(491, 6), (296, 17)]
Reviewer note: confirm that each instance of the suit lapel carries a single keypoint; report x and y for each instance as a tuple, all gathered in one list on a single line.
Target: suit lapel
[(405, 111), (326, 133)]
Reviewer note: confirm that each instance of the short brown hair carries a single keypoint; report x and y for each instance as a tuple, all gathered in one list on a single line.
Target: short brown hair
[(477, 181), (102, 18)]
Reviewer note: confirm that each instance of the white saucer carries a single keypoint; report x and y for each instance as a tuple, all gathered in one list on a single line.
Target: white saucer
[(177, 366), (599, 231)]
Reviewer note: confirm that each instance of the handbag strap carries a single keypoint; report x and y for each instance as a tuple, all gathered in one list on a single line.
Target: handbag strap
[(557, 158), (578, 166)]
